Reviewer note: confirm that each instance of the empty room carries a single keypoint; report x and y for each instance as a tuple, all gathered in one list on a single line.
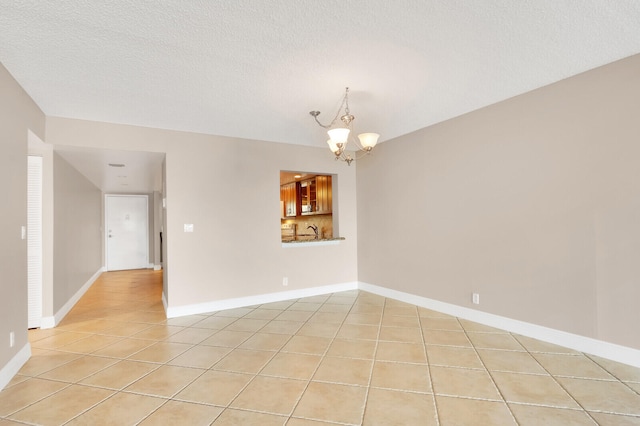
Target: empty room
[(320, 213)]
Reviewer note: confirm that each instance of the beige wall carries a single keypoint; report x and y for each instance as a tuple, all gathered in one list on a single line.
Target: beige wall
[(18, 114), (77, 220), (220, 185), (533, 202)]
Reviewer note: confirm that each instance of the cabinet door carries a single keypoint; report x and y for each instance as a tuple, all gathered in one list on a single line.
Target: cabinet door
[(304, 197), (308, 197), (323, 194), (289, 195)]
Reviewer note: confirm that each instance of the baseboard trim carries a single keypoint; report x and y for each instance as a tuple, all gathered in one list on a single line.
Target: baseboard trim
[(157, 267), (52, 321), (584, 344), (221, 305), (14, 365)]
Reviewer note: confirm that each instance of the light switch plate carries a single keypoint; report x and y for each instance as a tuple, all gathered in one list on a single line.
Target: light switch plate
[(188, 227)]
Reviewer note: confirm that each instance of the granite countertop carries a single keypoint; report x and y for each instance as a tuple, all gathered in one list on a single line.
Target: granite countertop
[(312, 240)]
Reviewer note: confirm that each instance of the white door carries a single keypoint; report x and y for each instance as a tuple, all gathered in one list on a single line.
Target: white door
[(127, 228), (34, 241)]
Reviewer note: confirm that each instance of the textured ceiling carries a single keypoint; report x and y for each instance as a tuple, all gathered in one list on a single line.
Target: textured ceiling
[(254, 69), (117, 171)]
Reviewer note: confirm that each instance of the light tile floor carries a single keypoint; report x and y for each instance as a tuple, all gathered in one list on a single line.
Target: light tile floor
[(344, 358)]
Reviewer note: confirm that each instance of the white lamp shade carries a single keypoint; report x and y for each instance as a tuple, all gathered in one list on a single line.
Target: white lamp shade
[(339, 135), (368, 140), (332, 146)]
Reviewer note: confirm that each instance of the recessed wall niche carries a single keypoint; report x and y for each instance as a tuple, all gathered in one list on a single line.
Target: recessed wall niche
[(306, 206)]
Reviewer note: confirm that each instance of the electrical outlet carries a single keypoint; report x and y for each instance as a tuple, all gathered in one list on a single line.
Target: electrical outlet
[(476, 298), (188, 227), (12, 339), (285, 281)]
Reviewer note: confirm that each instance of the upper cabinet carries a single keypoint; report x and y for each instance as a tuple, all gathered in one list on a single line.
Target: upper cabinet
[(308, 202), (307, 197), (288, 196), (323, 195), (315, 195)]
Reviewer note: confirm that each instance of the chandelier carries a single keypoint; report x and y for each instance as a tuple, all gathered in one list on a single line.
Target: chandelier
[(340, 135)]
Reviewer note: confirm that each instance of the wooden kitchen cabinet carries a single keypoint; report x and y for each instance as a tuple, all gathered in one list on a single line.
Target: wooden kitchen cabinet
[(308, 197), (308, 201), (323, 195), (289, 197), (316, 196)]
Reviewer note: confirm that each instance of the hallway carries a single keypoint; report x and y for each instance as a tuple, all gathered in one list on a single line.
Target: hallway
[(344, 358)]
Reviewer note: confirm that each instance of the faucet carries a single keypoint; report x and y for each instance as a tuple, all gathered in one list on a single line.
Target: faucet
[(315, 229)]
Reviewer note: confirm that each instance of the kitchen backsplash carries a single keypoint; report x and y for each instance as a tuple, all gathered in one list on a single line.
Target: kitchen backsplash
[(324, 222)]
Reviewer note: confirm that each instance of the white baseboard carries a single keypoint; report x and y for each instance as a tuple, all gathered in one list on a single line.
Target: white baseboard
[(200, 308), (14, 365), (584, 344), (52, 321), (588, 345), (157, 267)]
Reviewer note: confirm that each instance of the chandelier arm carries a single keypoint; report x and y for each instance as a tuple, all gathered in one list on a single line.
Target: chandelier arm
[(363, 154), (345, 101), (357, 143), (315, 117), (347, 158), (358, 154)]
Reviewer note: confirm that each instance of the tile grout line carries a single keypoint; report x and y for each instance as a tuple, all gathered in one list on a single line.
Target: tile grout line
[(291, 335), (495, 385), (123, 389), (373, 362), (322, 357), (237, 346), (158, 366), (426, 354), (228, 406), (553, 377), (35, 402), (624, 382)]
